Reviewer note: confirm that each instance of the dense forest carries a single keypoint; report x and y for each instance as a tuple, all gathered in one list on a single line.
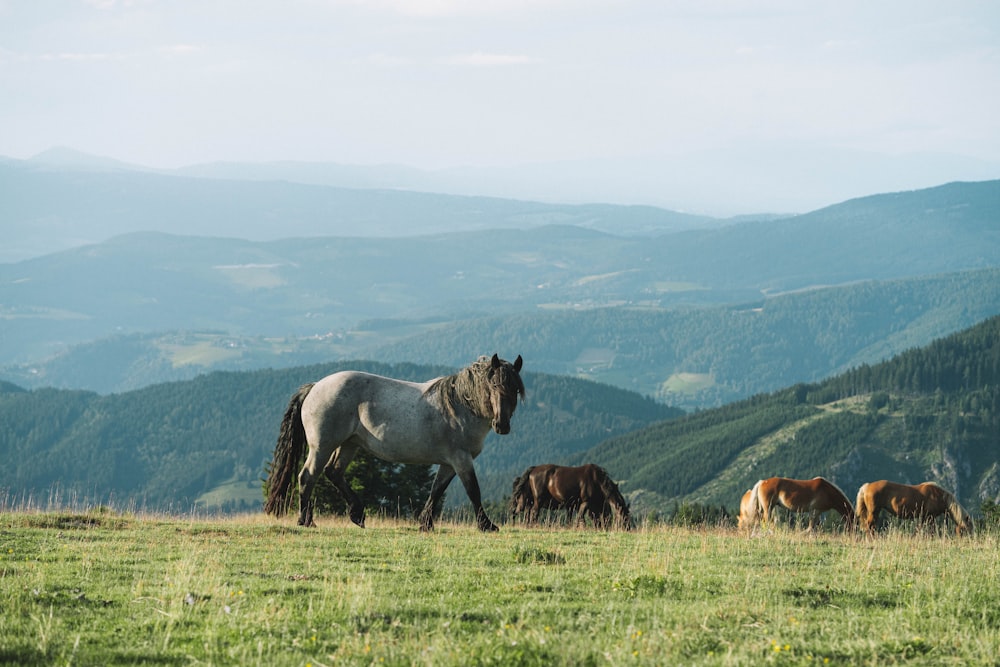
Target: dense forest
[(168, 445), (931, 413)]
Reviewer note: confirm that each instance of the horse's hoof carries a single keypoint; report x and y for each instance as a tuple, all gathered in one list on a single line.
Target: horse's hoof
[(489, 527), (358, 517)]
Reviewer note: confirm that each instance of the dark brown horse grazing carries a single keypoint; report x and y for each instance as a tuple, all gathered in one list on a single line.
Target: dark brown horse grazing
[(586, 490), (815, 496), (924, 502)]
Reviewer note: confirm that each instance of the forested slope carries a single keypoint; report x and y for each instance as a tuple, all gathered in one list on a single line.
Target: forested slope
[(931, 413), (167, 445)]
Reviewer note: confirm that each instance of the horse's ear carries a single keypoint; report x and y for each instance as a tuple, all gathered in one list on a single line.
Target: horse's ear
[(518, 363), (495, 361)]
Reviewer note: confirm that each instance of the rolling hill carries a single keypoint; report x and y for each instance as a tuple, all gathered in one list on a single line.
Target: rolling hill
[(686, 357), (931, 413)]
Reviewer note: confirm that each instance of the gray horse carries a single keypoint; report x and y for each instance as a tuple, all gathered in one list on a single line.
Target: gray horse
[(442, 421)]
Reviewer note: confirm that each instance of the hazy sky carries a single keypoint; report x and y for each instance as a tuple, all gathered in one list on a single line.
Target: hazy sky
[(440, 83)]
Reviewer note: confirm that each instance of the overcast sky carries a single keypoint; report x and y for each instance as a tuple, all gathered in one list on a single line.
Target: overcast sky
[(444, 83)]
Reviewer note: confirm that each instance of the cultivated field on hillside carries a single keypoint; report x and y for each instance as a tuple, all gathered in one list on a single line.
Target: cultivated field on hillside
[(99, 587)]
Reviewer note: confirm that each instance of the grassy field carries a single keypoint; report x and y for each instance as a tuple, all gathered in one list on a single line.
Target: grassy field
[(100, 588)]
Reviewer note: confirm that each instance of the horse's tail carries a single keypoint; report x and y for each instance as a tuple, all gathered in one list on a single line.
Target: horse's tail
[(520, 492), (756, 504), (614, 497), (287, 455), (861, 508)]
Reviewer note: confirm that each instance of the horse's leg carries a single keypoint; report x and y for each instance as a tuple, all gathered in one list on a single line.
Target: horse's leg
[(307, 480), (471, 483), (445, 473), (872, 517), (334, 472), (532, 515)]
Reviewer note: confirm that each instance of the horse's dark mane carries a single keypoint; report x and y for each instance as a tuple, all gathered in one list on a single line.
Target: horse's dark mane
[(471, 386)]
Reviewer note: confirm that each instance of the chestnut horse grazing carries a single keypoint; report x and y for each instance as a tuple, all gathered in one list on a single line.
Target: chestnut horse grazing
[(749, 509), (587, 490), (443, 421), (924, 502), (815, 496)]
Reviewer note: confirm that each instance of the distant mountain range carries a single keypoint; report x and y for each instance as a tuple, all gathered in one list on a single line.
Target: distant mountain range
[(750, 178), (61, 202), (208, 302)]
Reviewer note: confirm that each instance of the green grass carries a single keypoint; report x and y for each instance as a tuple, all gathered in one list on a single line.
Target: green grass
[(687, 383), (237, 491), (109, 589)]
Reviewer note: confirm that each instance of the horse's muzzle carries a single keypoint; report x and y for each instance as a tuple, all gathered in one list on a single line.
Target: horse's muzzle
[(503, 428)]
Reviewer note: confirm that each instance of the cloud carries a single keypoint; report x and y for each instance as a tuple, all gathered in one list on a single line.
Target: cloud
[(480, 59), (387, 60), (78, 57), (462, 8), (180, 49)]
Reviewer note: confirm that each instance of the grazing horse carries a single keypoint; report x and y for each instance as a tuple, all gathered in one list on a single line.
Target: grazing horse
[(586, 490), (815, 496), (924, 502), (443, 421), (749, 509)]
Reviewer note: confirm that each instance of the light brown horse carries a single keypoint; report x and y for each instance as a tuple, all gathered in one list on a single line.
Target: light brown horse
[(815, 496), (749, 509), (924, 502)]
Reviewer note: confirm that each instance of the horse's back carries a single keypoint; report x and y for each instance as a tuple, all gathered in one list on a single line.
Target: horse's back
[(394, 419)]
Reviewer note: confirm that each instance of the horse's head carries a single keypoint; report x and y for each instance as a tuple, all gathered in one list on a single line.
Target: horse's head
[(963, 522), (505, 387)]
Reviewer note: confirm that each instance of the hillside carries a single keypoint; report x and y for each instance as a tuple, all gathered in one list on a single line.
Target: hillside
[(692, 357), (361, 293), (931, 413), (928, 413), (169, 445), (707, 357)]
